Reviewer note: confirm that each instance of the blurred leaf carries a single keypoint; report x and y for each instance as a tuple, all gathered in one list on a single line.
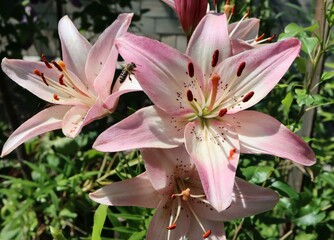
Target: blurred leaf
[(57, 234), (99, 219), (287, 101), (138, 235), (308, 44)]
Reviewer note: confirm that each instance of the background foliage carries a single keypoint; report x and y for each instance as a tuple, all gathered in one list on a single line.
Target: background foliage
[(44, 185)]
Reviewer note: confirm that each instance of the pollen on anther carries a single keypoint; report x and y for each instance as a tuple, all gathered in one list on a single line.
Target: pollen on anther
[(57, 65), (248, 96), (272, 37), (56, 97), (191, 70), (215, 57), (222, 112), (241, 68), (36, 72), (232, 152), (171, 226), (206, 234), (259, 38), (62, 64), (190, 96)]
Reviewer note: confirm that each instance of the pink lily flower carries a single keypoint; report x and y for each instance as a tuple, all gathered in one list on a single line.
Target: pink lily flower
[(79, 86), (200, 99), (172, 186)]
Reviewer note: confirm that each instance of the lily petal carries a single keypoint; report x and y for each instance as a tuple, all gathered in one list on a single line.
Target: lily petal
[(162, 73), (264, 67), (73, 120), (215, 152), (148, 127), (102, 58), (247, 200), (21, 72), (246, 30), (125, 193), (162, 219), (160, 165), (74, 46), (261, 133), (47, 120), (204, 41)]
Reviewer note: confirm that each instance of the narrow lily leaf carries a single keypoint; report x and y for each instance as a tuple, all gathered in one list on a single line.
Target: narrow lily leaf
[(287, 101), (99, 219)]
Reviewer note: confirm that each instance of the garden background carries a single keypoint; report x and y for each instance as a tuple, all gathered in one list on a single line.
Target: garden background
[(45, 183)]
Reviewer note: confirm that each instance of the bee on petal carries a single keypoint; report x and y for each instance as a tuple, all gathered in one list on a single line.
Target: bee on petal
[(127, 71)]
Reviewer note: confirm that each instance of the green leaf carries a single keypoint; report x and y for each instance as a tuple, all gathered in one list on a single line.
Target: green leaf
[(310, 219), (287, 101), (308, 44), (327, 178), (138, 235), (99, 219), (57, 234), (257, 174), (291, 30), (285, 188)]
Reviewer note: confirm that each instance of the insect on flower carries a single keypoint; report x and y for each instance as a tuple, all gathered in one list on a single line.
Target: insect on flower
[(127, 71)]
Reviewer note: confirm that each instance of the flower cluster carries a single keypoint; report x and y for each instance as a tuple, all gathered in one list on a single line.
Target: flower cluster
[(192, 137)]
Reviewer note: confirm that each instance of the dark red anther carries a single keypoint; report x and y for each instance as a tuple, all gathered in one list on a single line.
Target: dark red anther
[(61, 80), (206, 234), (190, 96), (215, 57), (48, 65), (227, 2), (173, 196), (44, 80), (272, 37), (56, 97), (248, 96), (222, 112), (191, 70), (233, 10), (241, 68), (171, 226), (56, 65), (259, 38)]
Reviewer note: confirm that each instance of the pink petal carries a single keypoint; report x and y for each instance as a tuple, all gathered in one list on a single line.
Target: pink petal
[(162, 72), (260, 133), (73, 120), (247, 200), (210, 35), (214, 148), (137, 191), (264, 67), (148, 127), (162, 219), (239, 46), (102, 59), (47, 120), (160, 166), (247, 29), (21, 72), (112, 101), (74, 46)]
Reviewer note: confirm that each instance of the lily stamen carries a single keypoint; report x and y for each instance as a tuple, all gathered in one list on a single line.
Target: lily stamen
[(241, 20), (261, 40), (215, 82)]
